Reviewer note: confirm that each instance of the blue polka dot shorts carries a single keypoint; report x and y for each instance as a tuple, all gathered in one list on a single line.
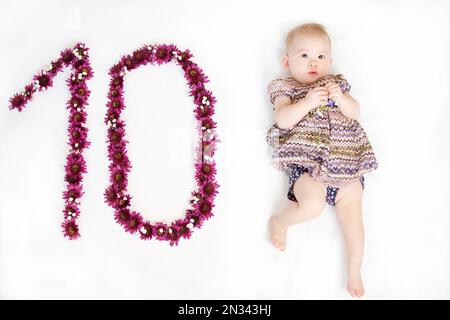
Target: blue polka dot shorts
[(295, 171)]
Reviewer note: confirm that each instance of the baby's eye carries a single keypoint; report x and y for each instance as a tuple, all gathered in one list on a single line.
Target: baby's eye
[(304, 55), (321, 56)]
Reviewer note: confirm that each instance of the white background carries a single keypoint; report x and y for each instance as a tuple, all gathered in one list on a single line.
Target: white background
[(393, 53)]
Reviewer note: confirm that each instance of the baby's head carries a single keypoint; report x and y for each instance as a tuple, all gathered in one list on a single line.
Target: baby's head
[(308, 53)]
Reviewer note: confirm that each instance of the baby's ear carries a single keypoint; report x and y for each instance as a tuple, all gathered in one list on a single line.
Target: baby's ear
[(285, 62)]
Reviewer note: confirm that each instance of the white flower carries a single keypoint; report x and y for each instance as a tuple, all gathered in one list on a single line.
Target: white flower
[(69, 218), (143, 230), (78, 109), (70, 199), (170, 230), (190, 225)]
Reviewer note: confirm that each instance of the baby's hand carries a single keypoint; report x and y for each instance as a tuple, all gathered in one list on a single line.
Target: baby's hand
[(316, 97), (335, 92)]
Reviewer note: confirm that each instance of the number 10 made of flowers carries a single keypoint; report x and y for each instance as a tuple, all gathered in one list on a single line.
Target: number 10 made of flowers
[(116, 195)]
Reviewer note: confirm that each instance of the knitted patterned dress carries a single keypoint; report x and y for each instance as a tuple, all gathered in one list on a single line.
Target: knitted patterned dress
[(333, 148)]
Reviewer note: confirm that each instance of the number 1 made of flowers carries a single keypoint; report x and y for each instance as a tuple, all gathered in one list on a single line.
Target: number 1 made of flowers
[(116, 194), (77, 58)]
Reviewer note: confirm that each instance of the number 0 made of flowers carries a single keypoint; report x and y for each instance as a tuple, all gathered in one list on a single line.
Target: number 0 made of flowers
[(77, 58), (116, 195)]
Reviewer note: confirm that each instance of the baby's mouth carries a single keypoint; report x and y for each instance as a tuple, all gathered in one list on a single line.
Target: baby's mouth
[(313, 73)]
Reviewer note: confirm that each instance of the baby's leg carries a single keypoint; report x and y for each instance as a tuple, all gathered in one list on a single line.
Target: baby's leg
[(349, 211), (311, 196)]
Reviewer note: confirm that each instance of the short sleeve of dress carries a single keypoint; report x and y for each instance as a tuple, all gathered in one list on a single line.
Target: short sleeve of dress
[(343, 83), (278, 87)]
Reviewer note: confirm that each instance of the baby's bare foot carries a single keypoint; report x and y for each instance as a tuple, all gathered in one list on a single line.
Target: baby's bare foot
[(277, 233), (355, 285)]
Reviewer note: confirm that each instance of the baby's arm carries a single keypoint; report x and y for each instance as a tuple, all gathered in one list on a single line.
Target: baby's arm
[(348, 106), (287, 114)]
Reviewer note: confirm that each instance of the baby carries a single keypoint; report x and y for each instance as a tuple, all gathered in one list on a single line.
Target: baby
[(318, 141)]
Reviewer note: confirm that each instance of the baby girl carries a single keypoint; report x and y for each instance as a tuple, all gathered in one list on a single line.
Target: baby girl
[(318, 142)]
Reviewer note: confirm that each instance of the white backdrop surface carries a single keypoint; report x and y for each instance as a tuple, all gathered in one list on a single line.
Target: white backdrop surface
[(393, 53)]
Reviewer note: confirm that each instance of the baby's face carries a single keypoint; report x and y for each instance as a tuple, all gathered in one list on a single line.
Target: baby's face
[(308, 58)]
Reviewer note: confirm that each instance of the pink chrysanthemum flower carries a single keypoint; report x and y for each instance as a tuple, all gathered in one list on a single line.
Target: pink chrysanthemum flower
[(194, 218), (71, 212), (196, 89), (81, 91), (116, 82), (115, 93), (115, 105), (194, 74), (118, 155), (146, 231), (57, 65), (77, 137), (162, 54), (160, 231), (183, 229), (122, 202), (74, 103), (204, 97), (44, 80), (17, 102), (78, 117), (203, 112), (113, 116), (75, 167), (184, 55), (173, 234), (208, 124), (141, 56), (84, 70), (209, 190), (28, 92), (206, 169), (70, 229), (116, 69), (73, 193), (67, 56), (117, 135), (122, 216), (204, 207), (129, 62), (133, 223), (110, 195)]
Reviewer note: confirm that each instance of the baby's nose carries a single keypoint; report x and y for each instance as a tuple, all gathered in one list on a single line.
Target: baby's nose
[(313, 63)]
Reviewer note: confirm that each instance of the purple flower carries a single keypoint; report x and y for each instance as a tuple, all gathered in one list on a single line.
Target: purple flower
[(44, 80), (163, 53), (133, 223), (78, 117), (72, 193), (74, 168), (110, 195), (208, 189), (67, 56), (122, 216), (122, 202), (160, 231), (146, 231), (77, 137), (182, 227), (70, 230), (17, 102)]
